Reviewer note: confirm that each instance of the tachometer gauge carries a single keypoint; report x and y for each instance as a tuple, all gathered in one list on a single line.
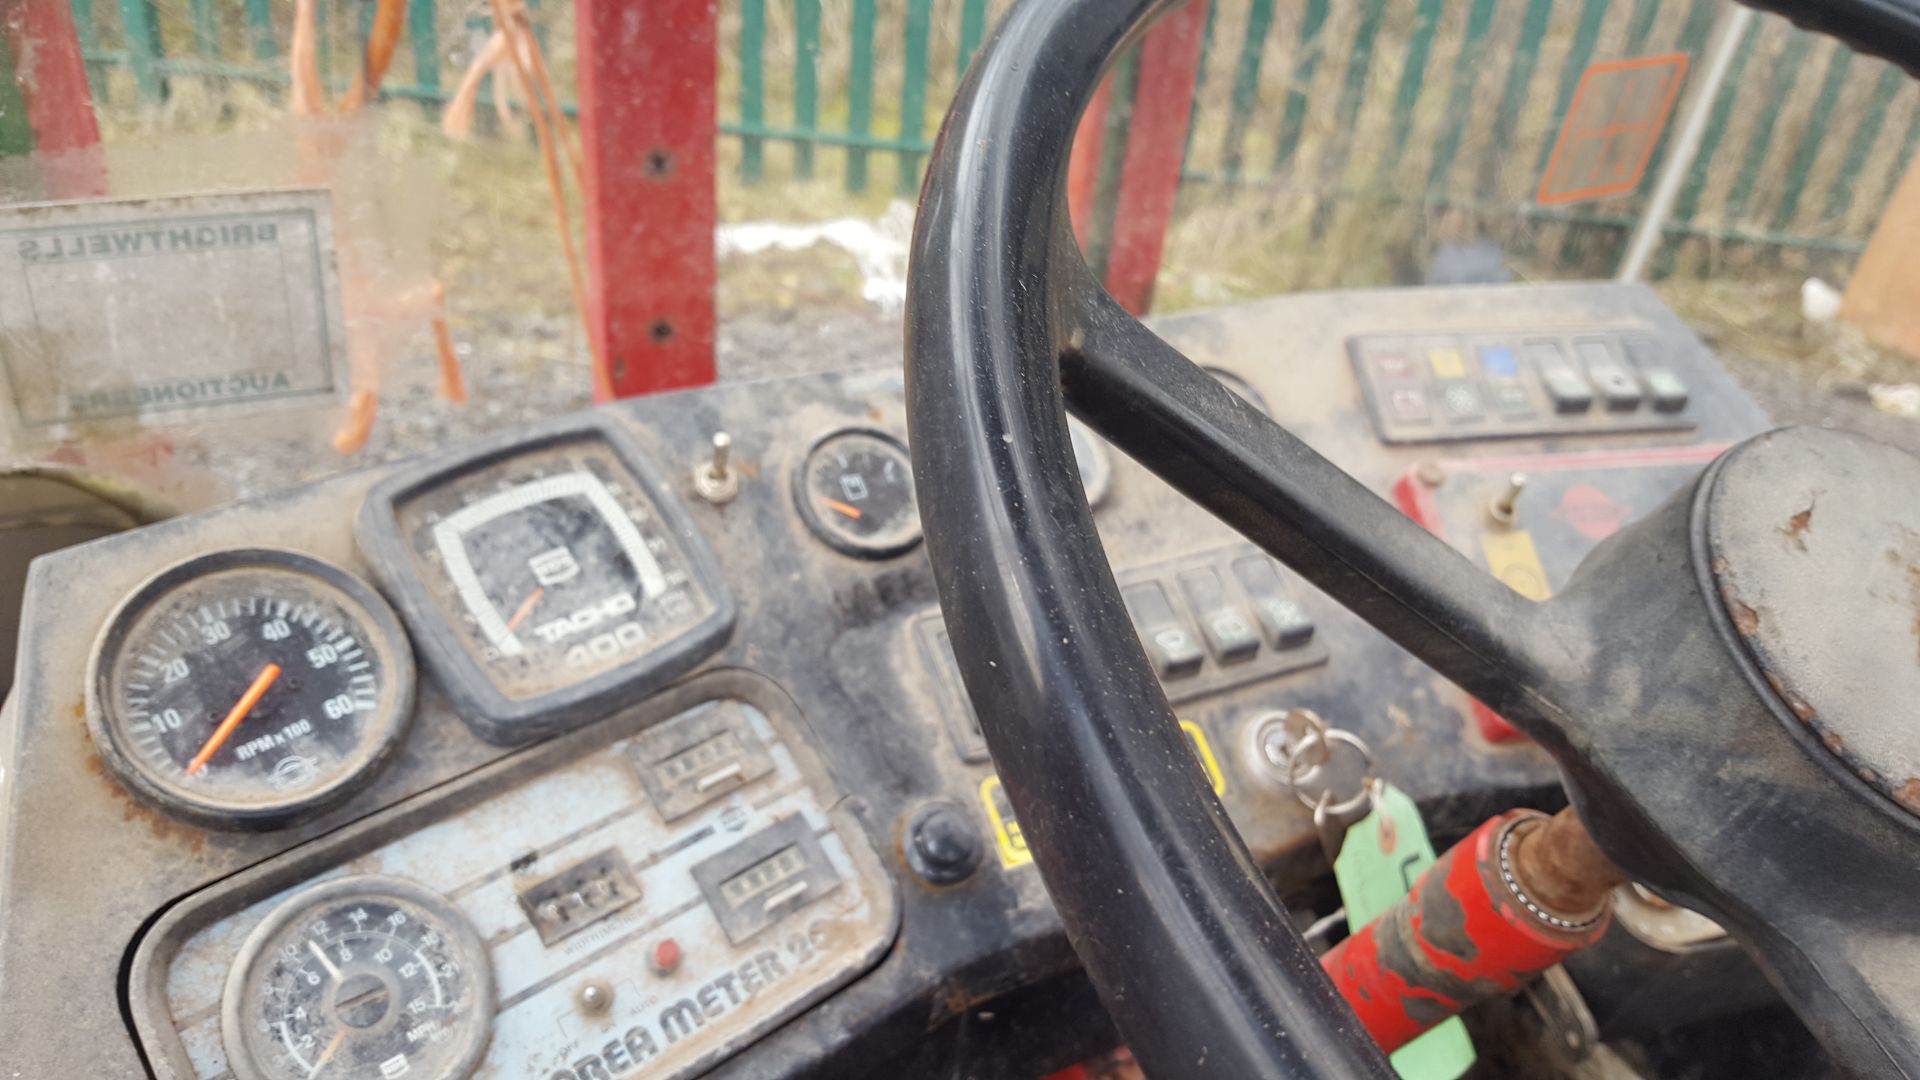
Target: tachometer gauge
[(1240, 387), (1090, 454), (244, 688), (359, 977), (855, 491), (546, 578)]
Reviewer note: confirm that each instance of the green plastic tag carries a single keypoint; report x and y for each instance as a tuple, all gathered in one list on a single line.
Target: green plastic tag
[(1382, 855)]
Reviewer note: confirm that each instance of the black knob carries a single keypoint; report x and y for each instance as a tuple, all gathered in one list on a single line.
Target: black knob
[(942, 845)]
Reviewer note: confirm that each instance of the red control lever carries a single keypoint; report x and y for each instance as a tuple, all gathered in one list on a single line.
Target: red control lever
[(1511, 900)]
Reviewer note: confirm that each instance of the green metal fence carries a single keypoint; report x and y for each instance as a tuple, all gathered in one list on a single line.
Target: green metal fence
[(1432, 106)]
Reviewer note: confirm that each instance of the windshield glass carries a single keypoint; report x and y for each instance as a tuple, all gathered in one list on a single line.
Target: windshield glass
[(311, 234)]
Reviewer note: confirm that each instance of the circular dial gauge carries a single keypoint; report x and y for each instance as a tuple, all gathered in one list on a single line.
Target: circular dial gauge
[(363, 976), (1241, 387), (553, 567), (855, 491), (245, 688), (1090, 454)]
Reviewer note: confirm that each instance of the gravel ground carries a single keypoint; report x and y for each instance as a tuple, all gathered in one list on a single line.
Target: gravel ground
[(1794, 395), (531, 367)]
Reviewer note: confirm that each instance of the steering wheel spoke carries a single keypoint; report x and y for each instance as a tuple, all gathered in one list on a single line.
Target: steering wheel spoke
[(1167, 412), (1727, 682)]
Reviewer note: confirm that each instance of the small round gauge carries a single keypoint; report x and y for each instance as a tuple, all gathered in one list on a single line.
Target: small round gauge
[(855, 491), (1090, 453), (245, 688), (361, 976), (1241, 387)]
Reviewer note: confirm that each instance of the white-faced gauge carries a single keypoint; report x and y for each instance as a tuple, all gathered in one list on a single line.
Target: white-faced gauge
[(359, 977), (545, 577)]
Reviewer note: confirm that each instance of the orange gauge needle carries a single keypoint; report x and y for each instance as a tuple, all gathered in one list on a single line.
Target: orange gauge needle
[(526, 606), (333, 1047), (239, 712), (836, 505)]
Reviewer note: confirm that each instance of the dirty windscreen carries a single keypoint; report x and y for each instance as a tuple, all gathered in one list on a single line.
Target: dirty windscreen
[(292, 236)]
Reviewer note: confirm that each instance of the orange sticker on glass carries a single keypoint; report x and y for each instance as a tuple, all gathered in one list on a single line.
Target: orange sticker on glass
[(1618, 113)]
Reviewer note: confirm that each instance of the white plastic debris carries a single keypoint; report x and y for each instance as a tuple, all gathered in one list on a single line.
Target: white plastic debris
[(1900, 399), (879, 248), (1819, 301)]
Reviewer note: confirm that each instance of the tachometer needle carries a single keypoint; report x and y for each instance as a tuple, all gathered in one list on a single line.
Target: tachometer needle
[(238, 713), (839, 507), (526, 606)]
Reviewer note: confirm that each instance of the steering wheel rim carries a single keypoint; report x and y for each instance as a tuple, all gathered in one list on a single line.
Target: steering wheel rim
[(1258, 993), (1175, 925)]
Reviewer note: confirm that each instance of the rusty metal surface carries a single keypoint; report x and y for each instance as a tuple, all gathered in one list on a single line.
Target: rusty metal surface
[(85, 868), (1558, 866), (1818, 564), (1464, 933)]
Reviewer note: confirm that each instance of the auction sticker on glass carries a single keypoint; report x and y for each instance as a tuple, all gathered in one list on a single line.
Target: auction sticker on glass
[(130, 310), (547, 578)]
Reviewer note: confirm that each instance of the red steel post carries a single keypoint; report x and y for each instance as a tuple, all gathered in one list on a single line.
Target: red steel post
[(648, 124), (1083, 164), (1156, 149), (53, 79)]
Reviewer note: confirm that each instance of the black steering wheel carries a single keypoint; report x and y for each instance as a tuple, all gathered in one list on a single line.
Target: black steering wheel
[(1731, 685)]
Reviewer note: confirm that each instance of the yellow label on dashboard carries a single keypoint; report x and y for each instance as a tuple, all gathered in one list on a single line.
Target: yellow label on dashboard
[(1207, 761), (1012, 844), (1514, 560), (1007, 837)]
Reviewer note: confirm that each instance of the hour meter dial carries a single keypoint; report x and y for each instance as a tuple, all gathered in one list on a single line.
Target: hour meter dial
[(361, 976), (855, 491), (1090, 455), (1243, 389), (245, 688)]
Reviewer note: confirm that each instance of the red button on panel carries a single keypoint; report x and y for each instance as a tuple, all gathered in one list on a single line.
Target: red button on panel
[(666, 957)]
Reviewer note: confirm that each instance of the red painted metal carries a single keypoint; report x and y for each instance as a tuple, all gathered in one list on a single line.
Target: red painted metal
[(1150, 169), (1156, 149), (53, 78), (1462, 935), (648, 124), (1083, 165), (1415, 499)]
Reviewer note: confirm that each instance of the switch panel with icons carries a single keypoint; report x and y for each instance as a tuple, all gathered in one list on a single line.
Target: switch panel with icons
[(1459, 387)]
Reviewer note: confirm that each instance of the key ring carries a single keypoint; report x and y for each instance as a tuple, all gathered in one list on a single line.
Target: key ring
[(1327, 737), (1327, 818), (1285, 738)]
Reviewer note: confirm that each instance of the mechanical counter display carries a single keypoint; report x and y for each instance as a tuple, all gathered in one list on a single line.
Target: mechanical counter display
[(245, 688), (546, 578)]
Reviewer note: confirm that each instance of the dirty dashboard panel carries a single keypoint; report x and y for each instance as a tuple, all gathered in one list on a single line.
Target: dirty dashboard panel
[(613, 894), (685, 782)]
